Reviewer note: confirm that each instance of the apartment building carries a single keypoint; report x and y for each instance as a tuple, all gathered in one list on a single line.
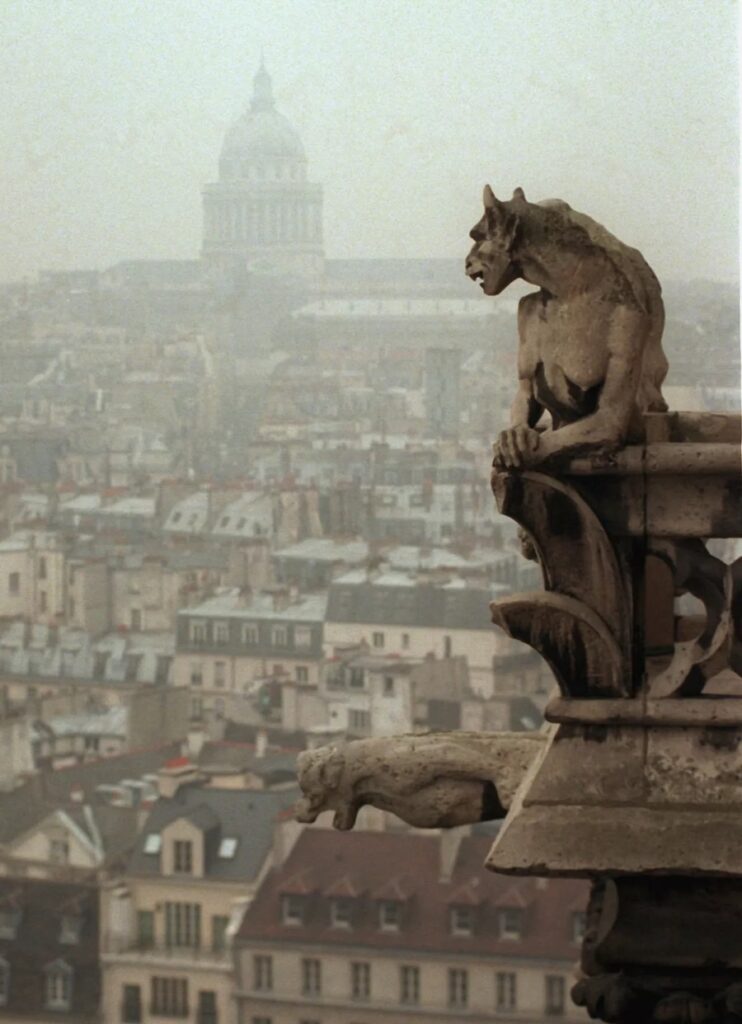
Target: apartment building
[(228, 644), (398, 613), (381, 926), (31, 577), (167, 918)]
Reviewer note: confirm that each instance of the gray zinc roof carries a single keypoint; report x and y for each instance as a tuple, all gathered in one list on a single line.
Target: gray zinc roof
[(245, 815)]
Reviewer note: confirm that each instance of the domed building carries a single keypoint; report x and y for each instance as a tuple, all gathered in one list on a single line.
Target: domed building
[(263, 216)]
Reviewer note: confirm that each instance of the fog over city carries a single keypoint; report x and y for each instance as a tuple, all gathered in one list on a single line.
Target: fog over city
[(116, 111), (350, 598)]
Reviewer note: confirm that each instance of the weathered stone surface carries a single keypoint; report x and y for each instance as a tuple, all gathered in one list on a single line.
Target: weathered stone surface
[(587, 840), (602, 764), (431, 780), (590, 340), (694, 766)]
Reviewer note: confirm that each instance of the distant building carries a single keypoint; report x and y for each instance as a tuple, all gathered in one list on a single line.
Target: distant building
[(442, 391), (388, 926), (262, 216), (395, 613), (228, 644), (169, 917)]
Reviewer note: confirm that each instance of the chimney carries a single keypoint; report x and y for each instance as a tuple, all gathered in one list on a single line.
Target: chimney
[(196, 738), (176, 772), (450, 841), (261, 743)]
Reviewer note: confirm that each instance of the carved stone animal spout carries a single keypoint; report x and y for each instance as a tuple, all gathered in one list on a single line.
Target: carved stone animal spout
[(590, 339), (431, 780)]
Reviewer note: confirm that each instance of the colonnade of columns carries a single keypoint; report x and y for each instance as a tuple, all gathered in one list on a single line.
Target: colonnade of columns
[(263, 221)]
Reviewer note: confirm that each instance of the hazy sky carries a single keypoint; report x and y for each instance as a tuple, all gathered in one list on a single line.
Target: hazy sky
[(114, 111)]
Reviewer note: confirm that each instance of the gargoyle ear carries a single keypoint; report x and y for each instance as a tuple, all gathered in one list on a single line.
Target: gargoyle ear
[(518, 193), (490, 203)]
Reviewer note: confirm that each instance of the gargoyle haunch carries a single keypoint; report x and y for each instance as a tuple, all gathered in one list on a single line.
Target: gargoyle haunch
[(590, 340)]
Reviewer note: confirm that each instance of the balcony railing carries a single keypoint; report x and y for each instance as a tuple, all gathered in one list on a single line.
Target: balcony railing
[(124, 945)]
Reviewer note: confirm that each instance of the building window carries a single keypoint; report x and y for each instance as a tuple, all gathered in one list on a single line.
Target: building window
[(388, 686), (554, 1005), (14, 583), (4, 981), (359, 721), (447, 646), (136, 619), (59, 851), (506, 997), (311, 977), (461, 920), (510, 923), (9, 921), (197, 632), (183, 925), (58, 988), (42, 568), (341, 913), (302, 636), (579, 924), (131, 1004), (219, 924), (360, 980), (145, 929), (389, 915), (458, 987), (279, 636), (70, 929), (169, 997), (42, 601), (292, 910), (377, 639), (220, 674), (206, 1013), (405, 641), (197, 677), (409, 985), (262, 973), (250, 634), (221, 632), (183, 857), (302, 674), (197, 708)]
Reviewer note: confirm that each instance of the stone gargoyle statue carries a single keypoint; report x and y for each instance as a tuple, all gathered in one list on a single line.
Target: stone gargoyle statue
[(429, 780), (590, 339)]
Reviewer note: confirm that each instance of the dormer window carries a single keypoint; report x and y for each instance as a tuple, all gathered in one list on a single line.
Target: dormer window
[(292, 910), (390, 915), (510, 923), (59, 851), (183, 857), (461, 920), (70, 929), (579, 924), (341, 913)]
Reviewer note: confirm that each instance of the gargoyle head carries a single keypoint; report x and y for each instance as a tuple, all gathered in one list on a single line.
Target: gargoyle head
[(490, 260), (321, 775)]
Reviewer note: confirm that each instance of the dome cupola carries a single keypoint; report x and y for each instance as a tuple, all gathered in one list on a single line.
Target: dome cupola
[(261, 143)]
